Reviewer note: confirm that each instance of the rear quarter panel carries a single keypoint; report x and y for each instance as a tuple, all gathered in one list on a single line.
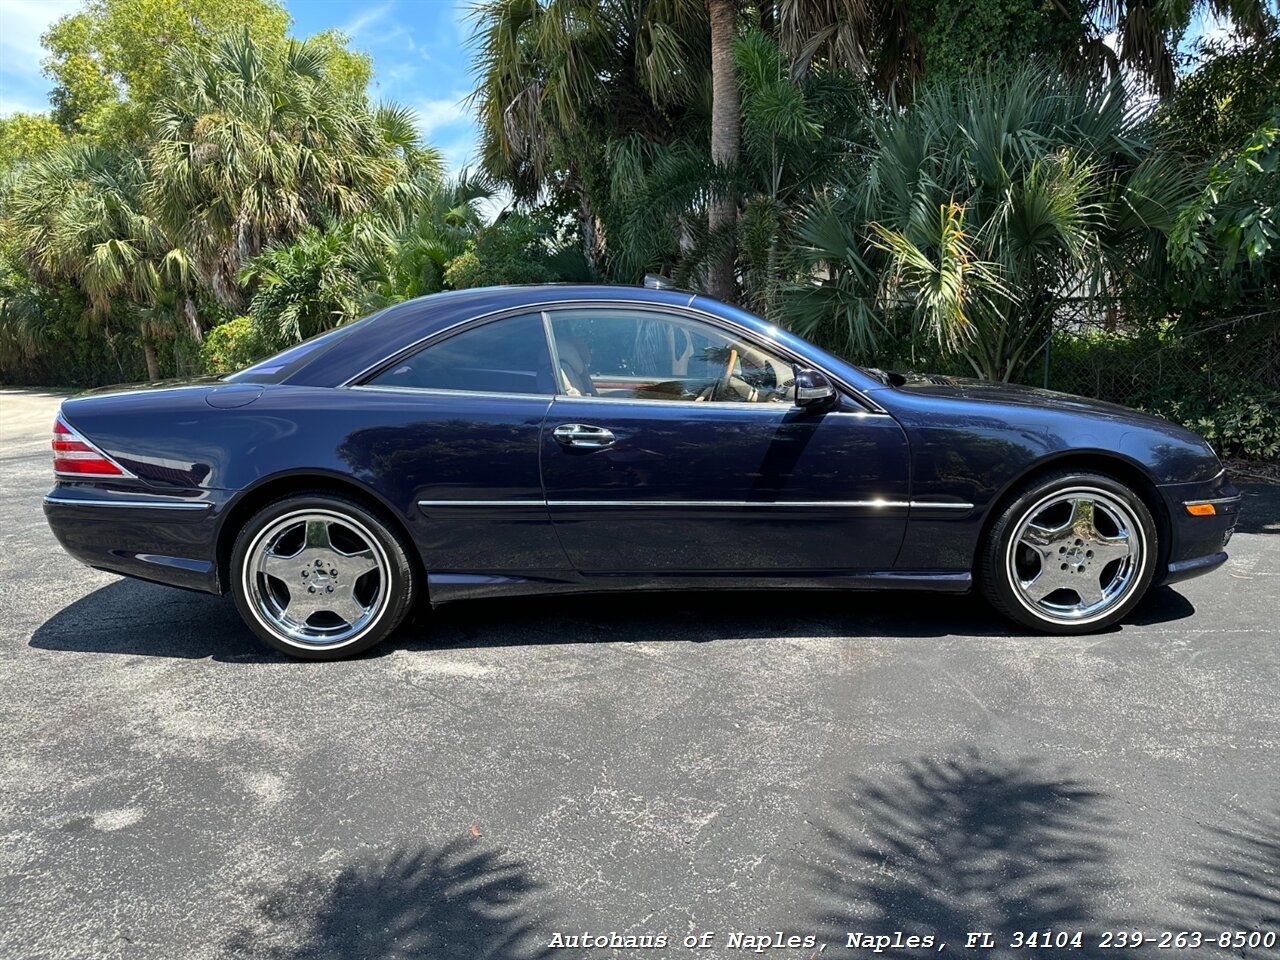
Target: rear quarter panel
[(396, 448)]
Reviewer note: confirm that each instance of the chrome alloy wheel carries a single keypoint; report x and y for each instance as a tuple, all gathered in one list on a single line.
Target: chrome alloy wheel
[(1076, 555), (316, 578)]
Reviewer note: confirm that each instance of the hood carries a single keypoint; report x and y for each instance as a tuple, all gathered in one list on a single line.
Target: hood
[(991, 391)]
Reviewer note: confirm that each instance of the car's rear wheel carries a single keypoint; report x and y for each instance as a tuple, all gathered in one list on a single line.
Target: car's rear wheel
[(320, 576), (1072, 552)]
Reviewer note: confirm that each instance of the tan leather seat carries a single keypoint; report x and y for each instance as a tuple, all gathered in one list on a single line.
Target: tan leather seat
[(575, 356)]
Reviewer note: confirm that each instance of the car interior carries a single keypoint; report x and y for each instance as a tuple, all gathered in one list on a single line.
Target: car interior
[(613, 354), (637, 355)]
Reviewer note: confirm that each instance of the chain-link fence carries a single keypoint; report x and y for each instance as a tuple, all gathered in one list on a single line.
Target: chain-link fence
[(1219, 377), (1095, 352)]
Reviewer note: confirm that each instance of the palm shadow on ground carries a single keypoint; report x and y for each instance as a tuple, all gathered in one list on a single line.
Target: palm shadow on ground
[(1235, 878), (131, 617), (944, 847), (462, 900)]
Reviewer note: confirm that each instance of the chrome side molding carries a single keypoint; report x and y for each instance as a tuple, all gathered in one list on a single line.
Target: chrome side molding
[(133, 504), (842, 504)]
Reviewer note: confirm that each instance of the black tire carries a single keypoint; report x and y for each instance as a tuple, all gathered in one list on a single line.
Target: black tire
[(352, 530), (1003, 559)]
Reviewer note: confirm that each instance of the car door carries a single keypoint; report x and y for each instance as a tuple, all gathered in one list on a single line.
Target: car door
[(457, 443), (674, 447)]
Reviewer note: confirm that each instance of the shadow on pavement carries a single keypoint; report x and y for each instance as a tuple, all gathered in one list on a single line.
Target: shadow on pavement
[(943, 847), (144, 619), (1161, 605), (132, 617), (1259, 509), (461, 900), (1236, 876)]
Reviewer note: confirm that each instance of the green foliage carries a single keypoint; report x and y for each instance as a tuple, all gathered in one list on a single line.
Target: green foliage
[(1243, 424), (77, 215), (233, 345), (107, 61), (324, 277), (798, 135), (1220, 106), (959, 38), (1190, 377), (201, 165), (1238, 212), (304, 287), (557, 79), (984, 205), (947, 286), (25, 137), (256, 141), (45, 339), (516, 249)]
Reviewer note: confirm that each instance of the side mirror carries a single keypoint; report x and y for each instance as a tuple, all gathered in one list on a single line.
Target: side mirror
[(814, 389)]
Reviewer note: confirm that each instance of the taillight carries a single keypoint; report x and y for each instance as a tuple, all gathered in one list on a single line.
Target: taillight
[(75, 456)]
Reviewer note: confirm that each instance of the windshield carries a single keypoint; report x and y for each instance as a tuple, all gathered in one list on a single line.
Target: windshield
[(278, 368)]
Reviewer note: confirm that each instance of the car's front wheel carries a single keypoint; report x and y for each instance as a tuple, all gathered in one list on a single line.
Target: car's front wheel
[(320, 576), (1072, 552)]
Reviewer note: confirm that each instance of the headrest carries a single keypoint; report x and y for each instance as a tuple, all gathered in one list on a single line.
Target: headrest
[(573, 353)]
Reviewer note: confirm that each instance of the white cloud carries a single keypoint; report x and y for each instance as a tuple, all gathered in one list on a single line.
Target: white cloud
[(458, 153), (443, 112), (10, 105), (21, 24), (462, 17), (365, 19)]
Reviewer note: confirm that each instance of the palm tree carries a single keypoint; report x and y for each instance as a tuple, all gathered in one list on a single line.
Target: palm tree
[(798, 133), (254, 143), (1146, 31), (985, 207), (1109, 36), (325, 277), (726, 140), (557, 80), (77, 217), (871, 36)]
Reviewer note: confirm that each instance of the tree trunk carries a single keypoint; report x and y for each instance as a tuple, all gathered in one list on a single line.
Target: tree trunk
[(193, 318), (726, 137), (592, 234), (149, 351)]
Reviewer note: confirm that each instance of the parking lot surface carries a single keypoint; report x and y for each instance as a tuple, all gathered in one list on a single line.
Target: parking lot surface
[(505, 772)]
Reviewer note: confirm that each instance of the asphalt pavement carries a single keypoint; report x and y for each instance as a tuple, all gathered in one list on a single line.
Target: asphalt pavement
[(503, 774)]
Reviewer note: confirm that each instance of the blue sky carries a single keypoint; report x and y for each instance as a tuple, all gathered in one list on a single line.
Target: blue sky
[(420, 59), (419, 50)]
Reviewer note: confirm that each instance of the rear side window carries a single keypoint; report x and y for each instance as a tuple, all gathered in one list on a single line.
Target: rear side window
[(503, 356), (277, 368)]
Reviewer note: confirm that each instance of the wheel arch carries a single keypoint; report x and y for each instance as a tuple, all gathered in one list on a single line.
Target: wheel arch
[(1124, 469), (267, 489)]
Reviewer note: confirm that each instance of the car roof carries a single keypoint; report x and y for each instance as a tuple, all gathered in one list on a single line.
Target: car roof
[(380, 336), (404, 324)]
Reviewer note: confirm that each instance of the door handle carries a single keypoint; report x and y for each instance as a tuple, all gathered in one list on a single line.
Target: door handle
[(583, 436)]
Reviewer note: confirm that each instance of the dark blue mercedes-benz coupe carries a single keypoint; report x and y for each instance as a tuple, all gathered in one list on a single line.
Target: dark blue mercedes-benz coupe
[(589, 438)]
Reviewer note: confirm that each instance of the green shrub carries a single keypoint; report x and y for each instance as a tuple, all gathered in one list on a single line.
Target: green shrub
[(512, 250), (234, 345), (1245, 426)]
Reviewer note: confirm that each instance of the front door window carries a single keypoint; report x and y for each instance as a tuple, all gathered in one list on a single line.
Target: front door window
[(646, 355)]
